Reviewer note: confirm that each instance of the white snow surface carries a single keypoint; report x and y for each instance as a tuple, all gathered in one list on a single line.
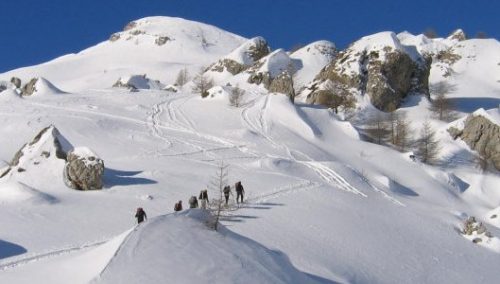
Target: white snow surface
[(241, 54), (321, 205), (310, 59)]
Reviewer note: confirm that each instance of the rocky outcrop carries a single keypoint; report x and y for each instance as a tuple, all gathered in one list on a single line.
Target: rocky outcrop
[(30, 87), (230, 65), (283, 84), (130, 26), (114, 37), (381, 67), (242, 57), (482, 135), (475, 230), (161, 40), (16, 82), (258, 49), (458, 35), (83, 170)]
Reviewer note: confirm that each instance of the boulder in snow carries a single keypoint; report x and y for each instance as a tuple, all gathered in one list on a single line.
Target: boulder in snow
[(16, 82), (83, 170), (481, 134)]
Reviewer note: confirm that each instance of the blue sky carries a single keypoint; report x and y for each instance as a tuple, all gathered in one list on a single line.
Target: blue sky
[(34, 31)]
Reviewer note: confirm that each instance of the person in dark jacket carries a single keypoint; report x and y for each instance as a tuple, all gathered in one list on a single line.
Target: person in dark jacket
[(178, 206), (203, 198), (239, 191), (193, 202), (140, 214), (227, 191)]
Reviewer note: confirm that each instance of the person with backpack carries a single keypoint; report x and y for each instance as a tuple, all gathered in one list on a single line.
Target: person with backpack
[(203, 198), (193, 202), (178, 206), (239, 191), (227, 191), (140, 214)]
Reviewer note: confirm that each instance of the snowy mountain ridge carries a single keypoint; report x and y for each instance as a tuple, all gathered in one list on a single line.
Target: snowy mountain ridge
[(322, 203)]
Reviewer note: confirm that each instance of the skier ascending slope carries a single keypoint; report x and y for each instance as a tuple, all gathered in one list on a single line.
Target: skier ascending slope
[(193, 202), (239, 191), (203, 198), (140, 215)]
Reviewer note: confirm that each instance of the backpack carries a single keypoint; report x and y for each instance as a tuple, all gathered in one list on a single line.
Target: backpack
[(227, 189)]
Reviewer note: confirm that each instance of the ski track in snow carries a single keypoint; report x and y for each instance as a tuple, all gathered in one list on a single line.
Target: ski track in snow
[(324, 172), (50, 254)]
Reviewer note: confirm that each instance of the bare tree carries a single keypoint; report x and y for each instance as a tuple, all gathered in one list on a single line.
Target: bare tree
[(440, 104), (202, 84), (427, 144), (182, 77), (217, 183), (378, 129), (337, 97), (402, 137), (236, 96)]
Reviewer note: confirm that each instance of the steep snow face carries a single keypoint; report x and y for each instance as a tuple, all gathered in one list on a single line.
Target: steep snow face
[(310, 59), (143, 48)]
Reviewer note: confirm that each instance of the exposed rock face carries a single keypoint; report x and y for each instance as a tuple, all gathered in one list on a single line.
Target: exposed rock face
[(481, 135), (114, 37), (242, 57), (380, 67), (30, 87), (283, 84), (259, 49), (161, 40), (2, 87), (458, 35), (83, 170), (16, 82), (129, 26), (230, 65), (260, 78)]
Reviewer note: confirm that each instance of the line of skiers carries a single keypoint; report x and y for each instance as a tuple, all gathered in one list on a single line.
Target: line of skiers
[(140, 214)]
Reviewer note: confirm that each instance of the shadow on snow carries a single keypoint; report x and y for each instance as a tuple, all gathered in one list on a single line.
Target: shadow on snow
[(114, 177)]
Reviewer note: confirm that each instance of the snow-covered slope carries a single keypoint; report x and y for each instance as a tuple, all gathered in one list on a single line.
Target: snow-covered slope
[(136, 51), (321, 204), (176, 248), (310, 59)]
